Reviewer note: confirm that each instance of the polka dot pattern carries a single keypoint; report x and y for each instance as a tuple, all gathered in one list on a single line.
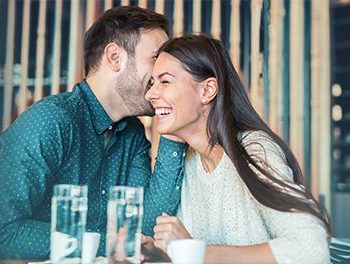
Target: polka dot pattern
[(61, 140)]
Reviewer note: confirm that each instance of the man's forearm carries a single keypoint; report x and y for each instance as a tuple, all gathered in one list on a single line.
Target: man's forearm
[(164, 189), (25, 239)]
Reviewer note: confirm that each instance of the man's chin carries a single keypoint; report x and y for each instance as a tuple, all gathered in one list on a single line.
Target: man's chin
[(146, 112)]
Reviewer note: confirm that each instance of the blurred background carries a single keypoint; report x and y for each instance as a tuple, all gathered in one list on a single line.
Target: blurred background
[(292, 55)]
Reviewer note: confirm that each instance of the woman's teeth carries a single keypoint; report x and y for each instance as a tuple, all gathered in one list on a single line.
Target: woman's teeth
[(163, 111)]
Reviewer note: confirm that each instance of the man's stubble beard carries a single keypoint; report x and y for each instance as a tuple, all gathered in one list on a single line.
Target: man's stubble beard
[(130, 89)]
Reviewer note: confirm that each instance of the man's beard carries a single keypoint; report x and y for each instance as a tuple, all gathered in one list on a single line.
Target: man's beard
[(130, 89)]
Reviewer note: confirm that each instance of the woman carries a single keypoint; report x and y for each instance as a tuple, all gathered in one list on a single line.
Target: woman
[(242, 190)]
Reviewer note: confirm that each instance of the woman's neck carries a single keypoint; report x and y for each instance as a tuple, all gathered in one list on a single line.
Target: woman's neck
[(210, 157)]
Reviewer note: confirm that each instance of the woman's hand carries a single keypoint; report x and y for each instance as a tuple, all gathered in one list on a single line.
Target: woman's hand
[(168, 228)]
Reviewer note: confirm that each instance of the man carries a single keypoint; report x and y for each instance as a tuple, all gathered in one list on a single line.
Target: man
[(89, 137)]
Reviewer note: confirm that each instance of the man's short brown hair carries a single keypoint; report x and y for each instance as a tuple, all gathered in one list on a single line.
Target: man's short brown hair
[(121, 25)]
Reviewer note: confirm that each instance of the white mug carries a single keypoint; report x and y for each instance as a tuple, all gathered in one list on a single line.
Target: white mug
[(91, 241), (186, 251), (62, 245)]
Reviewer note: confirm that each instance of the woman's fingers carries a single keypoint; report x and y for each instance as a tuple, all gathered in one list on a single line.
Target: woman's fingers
[(167, 236), (163, 227), (168, 228), (146, 239), (166, 219), (162, 244)]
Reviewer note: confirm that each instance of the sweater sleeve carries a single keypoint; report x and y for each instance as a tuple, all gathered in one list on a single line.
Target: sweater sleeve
[(296, 237)]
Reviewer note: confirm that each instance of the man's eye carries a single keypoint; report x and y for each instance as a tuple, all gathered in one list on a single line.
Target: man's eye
[(164, 82)]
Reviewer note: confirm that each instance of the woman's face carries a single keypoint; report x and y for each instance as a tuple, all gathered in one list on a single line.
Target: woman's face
[(176, 98)]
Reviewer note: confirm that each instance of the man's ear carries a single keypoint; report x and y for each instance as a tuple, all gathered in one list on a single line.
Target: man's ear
[(209, 90), (115, 56)]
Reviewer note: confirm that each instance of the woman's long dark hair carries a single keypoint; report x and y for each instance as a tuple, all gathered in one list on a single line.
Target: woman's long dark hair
[(231, 115)]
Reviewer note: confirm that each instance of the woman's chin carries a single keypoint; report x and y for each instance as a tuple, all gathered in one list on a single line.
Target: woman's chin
[(163, 131)]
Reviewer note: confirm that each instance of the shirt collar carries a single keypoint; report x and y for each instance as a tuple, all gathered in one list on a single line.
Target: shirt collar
[(100, 118)]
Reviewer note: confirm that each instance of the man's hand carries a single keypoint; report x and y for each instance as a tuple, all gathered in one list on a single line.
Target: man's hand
[(150, 253), (168, 228)]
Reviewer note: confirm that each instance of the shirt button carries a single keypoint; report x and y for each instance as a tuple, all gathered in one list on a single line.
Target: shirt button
[(183, 154), (174, 153), (110, 127), (98, 230), (177, 187), (103, 191)]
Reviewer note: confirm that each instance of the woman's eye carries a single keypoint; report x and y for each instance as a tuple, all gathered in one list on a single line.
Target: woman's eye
[(150, 83)]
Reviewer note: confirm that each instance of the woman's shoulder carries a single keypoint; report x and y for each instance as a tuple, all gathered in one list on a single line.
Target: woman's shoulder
[(260, 142), (262, 148), (250, 136)]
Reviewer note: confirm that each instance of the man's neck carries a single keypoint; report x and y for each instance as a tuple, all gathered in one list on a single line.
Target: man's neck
[(110, 100)]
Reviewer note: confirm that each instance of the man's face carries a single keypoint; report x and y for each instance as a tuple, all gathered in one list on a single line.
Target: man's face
[(134, 79)]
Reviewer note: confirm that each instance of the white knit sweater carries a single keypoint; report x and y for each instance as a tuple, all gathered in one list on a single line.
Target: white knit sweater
[(218, 207)]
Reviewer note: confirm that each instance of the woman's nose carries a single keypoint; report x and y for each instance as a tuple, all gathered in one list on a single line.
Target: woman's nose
[(150, 94)]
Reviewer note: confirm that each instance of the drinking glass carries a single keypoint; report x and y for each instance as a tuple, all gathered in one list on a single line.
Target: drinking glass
[(125, 212), (68, 221)]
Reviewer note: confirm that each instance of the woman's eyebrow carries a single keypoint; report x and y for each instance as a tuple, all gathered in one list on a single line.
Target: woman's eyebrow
[(165, 73)]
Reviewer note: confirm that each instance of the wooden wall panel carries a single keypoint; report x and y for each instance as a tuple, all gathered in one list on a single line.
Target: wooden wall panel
[(197, 6), (75, 63), (320, 104), (235, 34), (160, 6), (40, 52), (178, 18), (296, 78), (256, 93), (275, 61), (56, 71), (8, 90), (215, 20), (24, 95)]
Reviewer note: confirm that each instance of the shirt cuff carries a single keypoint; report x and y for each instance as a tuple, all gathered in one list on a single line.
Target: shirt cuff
[(171, 152)]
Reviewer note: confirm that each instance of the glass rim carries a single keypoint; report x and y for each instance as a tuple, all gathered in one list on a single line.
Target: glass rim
[(126, 193), (70, 190), (121, 187), (69, 185)]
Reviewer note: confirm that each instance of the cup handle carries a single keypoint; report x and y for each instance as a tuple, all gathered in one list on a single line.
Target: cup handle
[(73, 247)]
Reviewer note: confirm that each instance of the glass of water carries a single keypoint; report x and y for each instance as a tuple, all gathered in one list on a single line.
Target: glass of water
[(125, 211), (68, 221)]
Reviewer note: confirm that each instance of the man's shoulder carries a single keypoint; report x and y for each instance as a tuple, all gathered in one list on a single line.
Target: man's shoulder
[(49, 114), (62, 106)]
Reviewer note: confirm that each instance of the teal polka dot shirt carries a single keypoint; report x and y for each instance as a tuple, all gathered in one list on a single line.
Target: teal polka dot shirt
[(60, 140)]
